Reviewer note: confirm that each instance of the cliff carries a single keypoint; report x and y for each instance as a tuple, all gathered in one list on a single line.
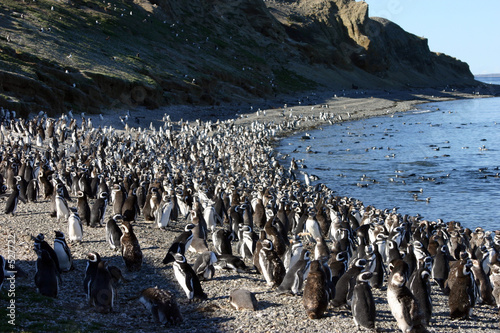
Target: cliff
[(87, 54)]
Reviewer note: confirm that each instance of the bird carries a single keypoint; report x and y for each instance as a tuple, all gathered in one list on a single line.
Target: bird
[(362, 302), (243, 299), (315, 297), (93, 259), (204, 265), (462, 294), (114, 233), (47, 274), (130, 248), (271, 265), (101, 290), (75, 228), (162, 305), (12, 201), (180, 244), (98, 210), (63, 252), (187, 279), (83, 207), (296, 275)]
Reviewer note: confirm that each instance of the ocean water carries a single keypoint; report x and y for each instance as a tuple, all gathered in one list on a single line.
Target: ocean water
[(441, 160)]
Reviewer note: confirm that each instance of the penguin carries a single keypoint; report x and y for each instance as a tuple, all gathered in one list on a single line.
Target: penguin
[(295, 276), (98, 210), (403, 305), (130, 208), (485, 288), (180, 244), (130, 248), (342, 285), (162, 305), (113, 233), (83, 207), (420, 287), (462, 295), (93, 259), (75, 229), (204, 265), (378, 267), (247, 241), (441, 266), (118, 198), (259, 213), (63, 252), (12, 201), (293, 253), (62, 208), (231, 262), (242, 299), (338, 266), (23, 184), (102, 292), (187, 279), (363, 303), (495, 282), (47, 274), (32, 191), (2, 270), (315, 296), (271, 265), (164, 212), (221, 239), (321, 250), (41, 244)]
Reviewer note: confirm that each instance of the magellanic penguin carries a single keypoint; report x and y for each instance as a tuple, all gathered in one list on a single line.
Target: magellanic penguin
[(441, 266), (162, 305), (204, 265), (162, 215), (47, 275), (295, 276), (462, 293), (230, 262), (75, 229), (180, 244), (63, 252), (342, 285), (130, 248), (271, 265), (482, 281), (83, 207), (62, 208), (495, 282), (113, 233), (363, 303), (41, 244), (221, 239), (404, 306), (187, 279), (12, 201), (130, 208), (98, 210), (93, 259), (420, 287), (315, 297), (32, 190), (102, 292)]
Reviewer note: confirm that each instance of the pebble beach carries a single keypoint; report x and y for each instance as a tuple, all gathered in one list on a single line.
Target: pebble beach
[(240, 150)]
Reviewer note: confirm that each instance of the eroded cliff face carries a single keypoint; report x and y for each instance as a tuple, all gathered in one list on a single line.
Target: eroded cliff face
[(88, 54)]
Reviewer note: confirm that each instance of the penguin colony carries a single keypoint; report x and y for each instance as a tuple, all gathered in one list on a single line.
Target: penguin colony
[(243, 211)]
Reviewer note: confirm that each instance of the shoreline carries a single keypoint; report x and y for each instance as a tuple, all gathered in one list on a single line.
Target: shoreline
[(275, 313)]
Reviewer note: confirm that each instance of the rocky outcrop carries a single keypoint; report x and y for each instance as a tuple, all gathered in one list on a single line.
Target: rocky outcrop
[(88, 55)]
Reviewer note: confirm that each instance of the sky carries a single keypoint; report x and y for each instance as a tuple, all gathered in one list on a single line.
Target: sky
[(467, 30)]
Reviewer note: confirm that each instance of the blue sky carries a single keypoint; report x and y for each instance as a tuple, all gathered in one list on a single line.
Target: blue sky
[(467, 30)]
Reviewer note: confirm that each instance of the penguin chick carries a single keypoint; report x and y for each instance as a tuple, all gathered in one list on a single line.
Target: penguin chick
[(162, 305), (242, 299), (462, 294), (315, 297), (187, 279), (131, 250)]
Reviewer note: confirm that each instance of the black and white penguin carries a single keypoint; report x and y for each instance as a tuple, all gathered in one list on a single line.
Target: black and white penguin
[(221, 239), (32, 191), (187, 279), (93, 259), (47, 274), (482, 281), (63, 252), (404, 306), (342, 285), (204, 265), (495, 282), (62, 208), (113, 233), (75, 228), (164, 212), (231, 262), (83, 207), (420, 287), (295, 276), (13, 200), (130, 208), (98, 210), (293, 253), (441, 266), (315, 297), (41, 244), (271, 265), (101, 289), (180, 244), (462, 297), (162, 305), (247, 241), (130, 248), (362, 302)]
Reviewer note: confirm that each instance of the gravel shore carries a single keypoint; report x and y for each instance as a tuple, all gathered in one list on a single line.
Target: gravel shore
[(71, 312)]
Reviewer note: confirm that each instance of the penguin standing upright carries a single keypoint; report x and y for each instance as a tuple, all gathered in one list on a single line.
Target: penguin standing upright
[(162, 305), (93, 259), (32, 191), (271, 265), (41, 244), (98, 210), (180, 244), (221, 239), (63, 252), (362, 302), (441, 266), (131, 250), (47, 274), (130, 207), (164, 212), (295, 276), (462, 293), (62, 208), (404, 306), (12, 201), (75, 229), (315, 297), (118, 198), (342, 285), (113, 233), (485, 288), (420, 287), (101, 289), (187, 279), (495, 282), (83, 207), (204, 265)]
